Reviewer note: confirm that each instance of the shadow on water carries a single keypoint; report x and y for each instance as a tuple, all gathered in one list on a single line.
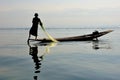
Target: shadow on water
[(98, 44), (33, 51)]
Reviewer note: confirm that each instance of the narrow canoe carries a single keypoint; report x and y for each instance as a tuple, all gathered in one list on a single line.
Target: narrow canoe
[(86, 37)]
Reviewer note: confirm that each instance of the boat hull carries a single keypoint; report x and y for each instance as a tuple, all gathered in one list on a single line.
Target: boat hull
[(86, 37)]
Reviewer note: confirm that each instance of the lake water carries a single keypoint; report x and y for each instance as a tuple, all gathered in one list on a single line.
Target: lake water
[(82, 60)]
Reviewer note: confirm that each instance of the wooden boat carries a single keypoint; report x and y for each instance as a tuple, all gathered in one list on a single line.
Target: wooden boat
[(86, 37)]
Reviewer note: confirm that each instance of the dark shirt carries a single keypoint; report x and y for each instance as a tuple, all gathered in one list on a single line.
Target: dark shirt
[(36, 21)]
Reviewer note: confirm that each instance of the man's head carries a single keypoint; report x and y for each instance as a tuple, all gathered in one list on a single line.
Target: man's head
[(36, 14)]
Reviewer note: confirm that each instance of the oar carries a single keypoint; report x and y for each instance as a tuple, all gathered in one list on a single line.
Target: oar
[(48, 35)]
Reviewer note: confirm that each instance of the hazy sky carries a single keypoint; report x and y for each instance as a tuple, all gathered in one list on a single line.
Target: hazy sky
[(57, 13)]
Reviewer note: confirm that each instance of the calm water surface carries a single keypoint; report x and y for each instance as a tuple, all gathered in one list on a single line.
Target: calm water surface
[(84, 60)]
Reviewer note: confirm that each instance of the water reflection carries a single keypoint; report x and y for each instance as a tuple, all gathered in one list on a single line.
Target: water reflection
[(33, 51), (96, 44)]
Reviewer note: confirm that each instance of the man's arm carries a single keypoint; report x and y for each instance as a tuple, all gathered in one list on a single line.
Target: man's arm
[(40, 22)]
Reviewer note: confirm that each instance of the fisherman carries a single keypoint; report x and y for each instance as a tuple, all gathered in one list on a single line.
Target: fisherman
[(95, 33), (34, 29)]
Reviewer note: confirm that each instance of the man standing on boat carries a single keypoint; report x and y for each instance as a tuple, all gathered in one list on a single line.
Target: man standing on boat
[(34, 28)]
